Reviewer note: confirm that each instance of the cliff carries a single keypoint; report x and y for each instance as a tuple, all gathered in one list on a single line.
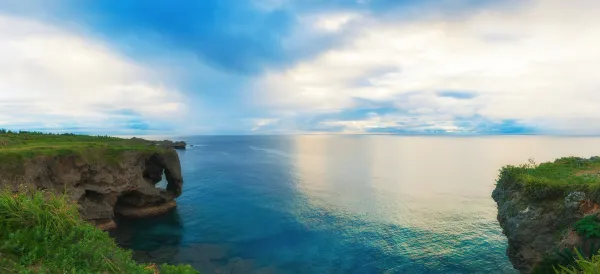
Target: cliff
[(105, 175), (541, 210)]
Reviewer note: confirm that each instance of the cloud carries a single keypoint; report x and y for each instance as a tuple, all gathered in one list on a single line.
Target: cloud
[(280, 66), (56, 79), (532, 65), (259, 123), (241, 37)]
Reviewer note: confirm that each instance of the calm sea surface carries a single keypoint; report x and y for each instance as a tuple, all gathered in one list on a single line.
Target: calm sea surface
[(341, 204)]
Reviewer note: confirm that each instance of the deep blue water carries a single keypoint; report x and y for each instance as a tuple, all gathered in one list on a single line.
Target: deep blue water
[(338, 204)]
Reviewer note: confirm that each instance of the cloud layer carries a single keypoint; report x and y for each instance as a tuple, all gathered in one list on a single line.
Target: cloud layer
[(534, 65), (291, 66), (54, 79)]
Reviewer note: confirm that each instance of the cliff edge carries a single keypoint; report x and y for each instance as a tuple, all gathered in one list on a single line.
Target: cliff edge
[(542, 210), (105, 175)]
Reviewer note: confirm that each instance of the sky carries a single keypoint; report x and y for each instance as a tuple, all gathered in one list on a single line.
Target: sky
[(178, 67)]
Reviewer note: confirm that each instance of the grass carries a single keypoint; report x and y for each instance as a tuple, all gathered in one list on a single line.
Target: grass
[(43, 233), (553, 179), (17, 147)]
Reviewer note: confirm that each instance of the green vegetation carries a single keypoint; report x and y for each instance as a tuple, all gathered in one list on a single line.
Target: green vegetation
[(588, 227), (566, 259), (43, 233), (581, 265), (549, 184), (16, 147), (554, 179)]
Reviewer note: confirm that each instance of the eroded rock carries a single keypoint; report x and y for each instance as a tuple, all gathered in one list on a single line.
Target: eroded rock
[(144, 211), (574, 199), (536, 227), (100, 187)]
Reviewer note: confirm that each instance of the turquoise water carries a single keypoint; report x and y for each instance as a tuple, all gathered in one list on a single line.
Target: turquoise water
[(340, 204)]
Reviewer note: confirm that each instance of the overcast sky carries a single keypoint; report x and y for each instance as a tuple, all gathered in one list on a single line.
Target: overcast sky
[(300, 66)]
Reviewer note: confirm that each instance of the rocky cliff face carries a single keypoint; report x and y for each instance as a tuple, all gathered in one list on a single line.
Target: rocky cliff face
[(537, 228), (102, 190)]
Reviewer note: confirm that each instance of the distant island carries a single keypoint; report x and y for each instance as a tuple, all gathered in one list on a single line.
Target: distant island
[(550, 215), (59, 191)]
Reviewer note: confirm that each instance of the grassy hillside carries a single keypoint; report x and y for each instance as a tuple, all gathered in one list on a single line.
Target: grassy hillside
[(15, 147), (554, 179), (43, 233)]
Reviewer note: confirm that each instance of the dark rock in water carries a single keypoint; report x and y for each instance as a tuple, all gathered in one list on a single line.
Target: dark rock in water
[(208, 258)]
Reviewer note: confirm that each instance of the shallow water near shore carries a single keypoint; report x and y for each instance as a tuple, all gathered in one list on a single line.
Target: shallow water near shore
[(340, 204)]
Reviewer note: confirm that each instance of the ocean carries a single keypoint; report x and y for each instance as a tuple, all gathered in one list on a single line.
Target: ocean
[(340, 204)]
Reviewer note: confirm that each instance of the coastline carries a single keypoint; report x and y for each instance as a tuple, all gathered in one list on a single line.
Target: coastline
[(90, 179), (540, 209)]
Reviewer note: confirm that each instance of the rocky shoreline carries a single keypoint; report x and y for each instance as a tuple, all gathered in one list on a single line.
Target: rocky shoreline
[(164, 143), (102, 189), (538, 218)]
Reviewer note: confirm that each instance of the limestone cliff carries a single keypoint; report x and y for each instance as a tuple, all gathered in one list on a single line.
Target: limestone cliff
[(125, 185), (537, 209)]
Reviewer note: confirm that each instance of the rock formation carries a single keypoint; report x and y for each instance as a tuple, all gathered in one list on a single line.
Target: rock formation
[(102, 190), (539, 227), (165, 143), (533, 229)]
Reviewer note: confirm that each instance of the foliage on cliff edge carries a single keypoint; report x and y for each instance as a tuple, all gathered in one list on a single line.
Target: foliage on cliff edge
[(549, 196), (583, 265), (43, 233), (554, 179), (16, 147)]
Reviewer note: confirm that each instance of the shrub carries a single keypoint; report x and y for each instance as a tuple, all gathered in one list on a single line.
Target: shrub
[(581, 265), (43, 233), (566, 258), (588, 227)]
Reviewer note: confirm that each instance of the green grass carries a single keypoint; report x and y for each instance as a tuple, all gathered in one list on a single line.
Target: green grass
[(17, 147), (43, 233), (553, 179)]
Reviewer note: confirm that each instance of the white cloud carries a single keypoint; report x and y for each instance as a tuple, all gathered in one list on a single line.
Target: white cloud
[(537, 62), (52, 77), (375, 122), (331, 22), (259, 123)]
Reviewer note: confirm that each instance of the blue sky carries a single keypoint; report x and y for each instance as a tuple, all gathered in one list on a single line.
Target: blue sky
[(300, 66)]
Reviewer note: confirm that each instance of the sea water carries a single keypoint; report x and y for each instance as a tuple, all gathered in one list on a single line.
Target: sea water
[(340, 204)]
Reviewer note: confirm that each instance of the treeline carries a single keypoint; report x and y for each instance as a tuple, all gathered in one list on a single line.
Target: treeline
[(6, 131), (39, 133)]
